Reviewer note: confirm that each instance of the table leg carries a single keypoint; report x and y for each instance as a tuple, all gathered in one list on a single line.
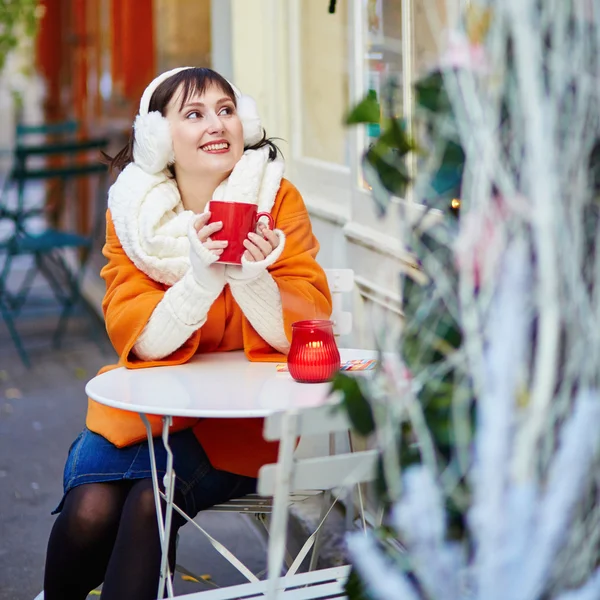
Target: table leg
[(279, 516), (169, 484), (164, 533)]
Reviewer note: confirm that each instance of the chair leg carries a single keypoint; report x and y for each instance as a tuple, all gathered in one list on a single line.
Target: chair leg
[(61, 328), (68, 299), (70, 302), (14, 334), (325, 503), (64, 299), (263, 521), (50, 278), (7, 312), (361, 502), (21, 296)]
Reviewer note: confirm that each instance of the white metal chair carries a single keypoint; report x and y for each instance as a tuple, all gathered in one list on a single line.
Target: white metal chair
[(280, 480)]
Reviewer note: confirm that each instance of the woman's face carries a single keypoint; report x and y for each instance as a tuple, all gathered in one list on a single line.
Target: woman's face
[(207, 133)]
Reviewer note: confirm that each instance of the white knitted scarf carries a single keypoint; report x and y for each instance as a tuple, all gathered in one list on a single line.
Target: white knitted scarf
[(150, 220)]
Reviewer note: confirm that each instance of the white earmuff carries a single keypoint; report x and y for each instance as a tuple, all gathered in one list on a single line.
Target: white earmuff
[(153, 145)]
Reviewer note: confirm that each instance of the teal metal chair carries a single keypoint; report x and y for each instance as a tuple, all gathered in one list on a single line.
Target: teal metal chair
[(60, 255), (34, 136)]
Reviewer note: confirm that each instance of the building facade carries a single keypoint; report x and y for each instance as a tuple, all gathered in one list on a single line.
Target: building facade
[(304, 66)]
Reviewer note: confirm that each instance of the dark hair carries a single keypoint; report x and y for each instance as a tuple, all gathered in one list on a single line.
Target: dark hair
[(193, 81)]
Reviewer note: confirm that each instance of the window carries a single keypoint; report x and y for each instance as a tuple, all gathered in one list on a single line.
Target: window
[(334, 59), (398, 47), (324, 88)]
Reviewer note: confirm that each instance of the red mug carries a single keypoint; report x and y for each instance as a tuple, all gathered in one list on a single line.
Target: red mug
[(239, 219)]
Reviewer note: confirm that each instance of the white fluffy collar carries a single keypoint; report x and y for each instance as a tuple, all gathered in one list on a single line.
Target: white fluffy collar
[(150, 220)]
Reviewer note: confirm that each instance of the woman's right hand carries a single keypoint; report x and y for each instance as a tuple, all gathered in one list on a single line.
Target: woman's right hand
[(205, 231), (204, 253)]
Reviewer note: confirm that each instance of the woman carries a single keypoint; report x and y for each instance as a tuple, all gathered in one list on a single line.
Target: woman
[(195, 139)]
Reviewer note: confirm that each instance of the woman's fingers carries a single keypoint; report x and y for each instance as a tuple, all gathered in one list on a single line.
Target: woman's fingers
[(206, 231), (271, 237), (202, 221), (260, 245), (253, 252), (216, 246), (268, 234), (264, 245)]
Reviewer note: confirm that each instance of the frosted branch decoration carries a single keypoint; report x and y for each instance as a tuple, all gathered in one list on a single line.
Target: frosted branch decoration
[(496, 399)]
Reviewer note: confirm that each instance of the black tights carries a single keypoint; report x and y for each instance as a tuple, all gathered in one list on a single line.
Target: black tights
[(107, 532)]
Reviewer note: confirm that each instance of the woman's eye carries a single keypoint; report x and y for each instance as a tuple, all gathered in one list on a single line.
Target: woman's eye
[(226, 110), (194, 114)]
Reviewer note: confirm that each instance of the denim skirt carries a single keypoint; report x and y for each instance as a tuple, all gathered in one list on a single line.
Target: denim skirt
[(93, 459)]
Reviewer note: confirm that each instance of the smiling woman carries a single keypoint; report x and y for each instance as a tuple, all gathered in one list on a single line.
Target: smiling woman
[(208, 141), (196, 139)]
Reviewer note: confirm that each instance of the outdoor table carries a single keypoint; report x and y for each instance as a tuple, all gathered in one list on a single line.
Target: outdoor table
[(212, 385)]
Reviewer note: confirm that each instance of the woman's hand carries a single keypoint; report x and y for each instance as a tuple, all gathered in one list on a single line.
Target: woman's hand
[(260, 244), (205, 231)]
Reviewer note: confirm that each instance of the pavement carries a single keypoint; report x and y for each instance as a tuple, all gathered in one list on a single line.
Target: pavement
[(42, 409)]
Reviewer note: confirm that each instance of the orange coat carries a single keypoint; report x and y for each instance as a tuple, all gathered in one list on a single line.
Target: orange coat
[(234, 445)]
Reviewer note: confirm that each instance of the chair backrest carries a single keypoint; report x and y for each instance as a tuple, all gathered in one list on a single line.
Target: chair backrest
[(57, 128), (319, 472), (77, 159), (323, 472), (67, 148), (340, 281)]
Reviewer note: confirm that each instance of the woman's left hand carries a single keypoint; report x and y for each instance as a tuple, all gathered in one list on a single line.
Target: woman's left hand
[(260, 244)]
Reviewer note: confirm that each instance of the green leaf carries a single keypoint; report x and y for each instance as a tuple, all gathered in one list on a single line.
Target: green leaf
[(389, 167), (354, 587), (394, 136), (367, 110), (356, 405), (431, 95), (379, 192)]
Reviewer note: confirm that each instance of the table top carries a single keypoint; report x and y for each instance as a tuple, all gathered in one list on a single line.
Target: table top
[(222, 384)]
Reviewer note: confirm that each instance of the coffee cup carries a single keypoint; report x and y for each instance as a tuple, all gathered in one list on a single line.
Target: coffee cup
[(239, 219)]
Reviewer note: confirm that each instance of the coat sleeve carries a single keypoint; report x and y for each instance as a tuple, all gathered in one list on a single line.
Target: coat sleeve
[(131, 298), (301, 281)]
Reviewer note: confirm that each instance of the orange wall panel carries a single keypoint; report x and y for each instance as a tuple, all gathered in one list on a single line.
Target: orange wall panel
[(134, 54), (48, 55)]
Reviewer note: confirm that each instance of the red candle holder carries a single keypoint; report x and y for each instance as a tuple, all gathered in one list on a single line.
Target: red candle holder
[(314, 356)]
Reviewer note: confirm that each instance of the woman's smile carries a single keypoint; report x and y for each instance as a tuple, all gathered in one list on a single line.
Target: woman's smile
[(216, 147)]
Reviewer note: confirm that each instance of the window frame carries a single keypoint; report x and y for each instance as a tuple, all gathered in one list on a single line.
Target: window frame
[(333, 190)]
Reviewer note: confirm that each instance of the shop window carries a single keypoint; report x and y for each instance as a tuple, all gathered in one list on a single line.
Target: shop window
[(324, 88), (385, 45)]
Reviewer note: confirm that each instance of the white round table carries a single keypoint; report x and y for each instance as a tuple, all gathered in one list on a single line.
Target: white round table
[(222, 384)]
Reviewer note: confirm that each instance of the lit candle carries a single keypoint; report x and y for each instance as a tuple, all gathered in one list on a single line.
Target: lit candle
[(314, 356)]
